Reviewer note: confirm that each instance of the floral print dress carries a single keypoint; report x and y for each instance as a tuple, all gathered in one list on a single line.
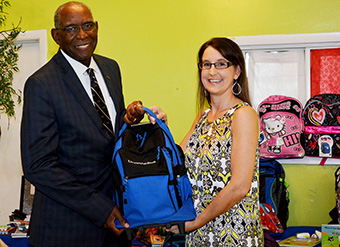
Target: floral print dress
[(208, 161)]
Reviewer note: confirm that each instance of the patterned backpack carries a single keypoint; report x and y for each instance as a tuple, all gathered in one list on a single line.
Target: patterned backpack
[(321, 117), (281, 127)]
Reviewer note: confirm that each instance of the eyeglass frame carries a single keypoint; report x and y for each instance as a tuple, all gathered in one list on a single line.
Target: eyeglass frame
[(200, 65), (78, 27)]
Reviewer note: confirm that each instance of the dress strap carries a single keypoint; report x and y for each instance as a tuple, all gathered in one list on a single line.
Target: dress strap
[(234, 108)]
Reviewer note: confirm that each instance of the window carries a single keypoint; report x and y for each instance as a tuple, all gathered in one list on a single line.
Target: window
[(275, 72), (325, 71), (297, 65)]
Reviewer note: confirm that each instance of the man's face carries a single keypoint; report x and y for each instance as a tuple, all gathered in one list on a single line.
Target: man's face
[(81, 44)]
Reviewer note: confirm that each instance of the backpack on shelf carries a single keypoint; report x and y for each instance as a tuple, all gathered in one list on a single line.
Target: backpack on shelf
[(152, 187), (281, 127), (274, 189), (321, 117)]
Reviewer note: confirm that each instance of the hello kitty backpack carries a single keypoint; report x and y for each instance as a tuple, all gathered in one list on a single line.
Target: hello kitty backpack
[(281, 127)]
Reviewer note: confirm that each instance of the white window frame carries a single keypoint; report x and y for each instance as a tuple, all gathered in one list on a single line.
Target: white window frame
[(307, 42)]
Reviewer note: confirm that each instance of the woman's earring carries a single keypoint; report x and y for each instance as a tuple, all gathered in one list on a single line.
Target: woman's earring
[(205, 92), (238, 86)]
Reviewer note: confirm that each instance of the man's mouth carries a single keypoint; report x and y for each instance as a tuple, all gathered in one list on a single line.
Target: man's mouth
[(85, 46)]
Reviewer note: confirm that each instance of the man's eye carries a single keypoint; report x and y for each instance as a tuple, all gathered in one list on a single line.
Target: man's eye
[(87, 26), (70, 29)]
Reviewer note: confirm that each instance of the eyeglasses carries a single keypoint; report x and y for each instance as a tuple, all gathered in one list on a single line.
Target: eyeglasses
[(74, 29), (218, 65)]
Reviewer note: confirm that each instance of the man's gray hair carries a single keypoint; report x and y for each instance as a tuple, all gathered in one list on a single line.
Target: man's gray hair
[(57, 19)]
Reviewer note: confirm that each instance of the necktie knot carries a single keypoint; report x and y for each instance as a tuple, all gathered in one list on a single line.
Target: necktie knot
[(90, 71)]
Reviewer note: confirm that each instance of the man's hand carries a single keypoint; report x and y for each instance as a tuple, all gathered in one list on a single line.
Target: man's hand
[(134, 113), (110, 222)]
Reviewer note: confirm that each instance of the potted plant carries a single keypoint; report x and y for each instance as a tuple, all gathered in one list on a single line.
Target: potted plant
[(8, 64)]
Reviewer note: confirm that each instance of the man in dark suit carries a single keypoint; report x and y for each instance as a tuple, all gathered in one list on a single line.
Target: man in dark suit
[(66, 149)]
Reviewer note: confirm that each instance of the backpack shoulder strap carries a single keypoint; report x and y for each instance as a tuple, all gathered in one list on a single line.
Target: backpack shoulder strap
[(167, 132)]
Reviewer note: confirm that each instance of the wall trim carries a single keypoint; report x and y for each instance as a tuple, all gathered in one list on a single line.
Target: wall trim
[(35, 36)]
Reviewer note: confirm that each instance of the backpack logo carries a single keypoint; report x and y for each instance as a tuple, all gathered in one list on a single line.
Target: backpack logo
[(317, 117), (275, 128), (142, 163)]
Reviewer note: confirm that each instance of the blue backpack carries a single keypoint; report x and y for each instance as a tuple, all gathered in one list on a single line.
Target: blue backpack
[(274, 189), (152, 187)]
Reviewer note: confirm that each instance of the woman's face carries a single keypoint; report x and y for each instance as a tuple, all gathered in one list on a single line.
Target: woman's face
[(218, 82)]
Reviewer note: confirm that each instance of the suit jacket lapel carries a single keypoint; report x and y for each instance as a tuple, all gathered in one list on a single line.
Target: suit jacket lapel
[(77, 89)]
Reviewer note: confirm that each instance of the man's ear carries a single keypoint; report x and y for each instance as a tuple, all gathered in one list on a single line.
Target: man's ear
[(55, 35)]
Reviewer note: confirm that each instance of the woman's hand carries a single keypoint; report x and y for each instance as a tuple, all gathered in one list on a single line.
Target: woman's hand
[(189, 226), (159, 113)]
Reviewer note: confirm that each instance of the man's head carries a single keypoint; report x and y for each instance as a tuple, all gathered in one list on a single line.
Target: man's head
[(75, 31)]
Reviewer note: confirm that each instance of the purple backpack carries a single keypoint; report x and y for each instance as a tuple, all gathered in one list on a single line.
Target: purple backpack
[(281, 127), (321, 117)]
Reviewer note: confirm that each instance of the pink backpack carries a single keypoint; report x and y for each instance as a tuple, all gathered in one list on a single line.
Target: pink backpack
[(281, 127)]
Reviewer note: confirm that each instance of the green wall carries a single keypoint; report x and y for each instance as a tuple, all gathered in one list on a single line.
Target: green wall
[(156, 42)]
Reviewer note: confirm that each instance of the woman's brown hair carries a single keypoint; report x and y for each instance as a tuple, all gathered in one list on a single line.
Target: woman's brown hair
[(232, 52)]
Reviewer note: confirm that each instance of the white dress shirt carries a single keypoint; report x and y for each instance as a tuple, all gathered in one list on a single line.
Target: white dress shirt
[(80, 70)]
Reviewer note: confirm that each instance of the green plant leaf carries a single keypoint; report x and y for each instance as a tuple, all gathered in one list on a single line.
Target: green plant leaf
[(8, 63)]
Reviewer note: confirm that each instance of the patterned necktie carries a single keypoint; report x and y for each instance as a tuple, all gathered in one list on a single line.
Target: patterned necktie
[(100, 102)]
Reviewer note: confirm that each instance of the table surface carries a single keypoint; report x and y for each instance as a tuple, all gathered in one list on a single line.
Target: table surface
[(293, 230), (290, 231), (15, 242)]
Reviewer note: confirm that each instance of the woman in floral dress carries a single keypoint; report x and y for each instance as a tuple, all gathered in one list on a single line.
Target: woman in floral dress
[(222, 154)]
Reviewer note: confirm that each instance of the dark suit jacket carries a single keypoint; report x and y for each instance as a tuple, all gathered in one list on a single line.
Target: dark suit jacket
[(66, 154)]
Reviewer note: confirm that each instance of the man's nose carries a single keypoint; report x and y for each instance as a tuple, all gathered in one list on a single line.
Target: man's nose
[(81, 33)]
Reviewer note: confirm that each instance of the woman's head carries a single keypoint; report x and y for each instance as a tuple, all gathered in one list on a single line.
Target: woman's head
[(232, 53)]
